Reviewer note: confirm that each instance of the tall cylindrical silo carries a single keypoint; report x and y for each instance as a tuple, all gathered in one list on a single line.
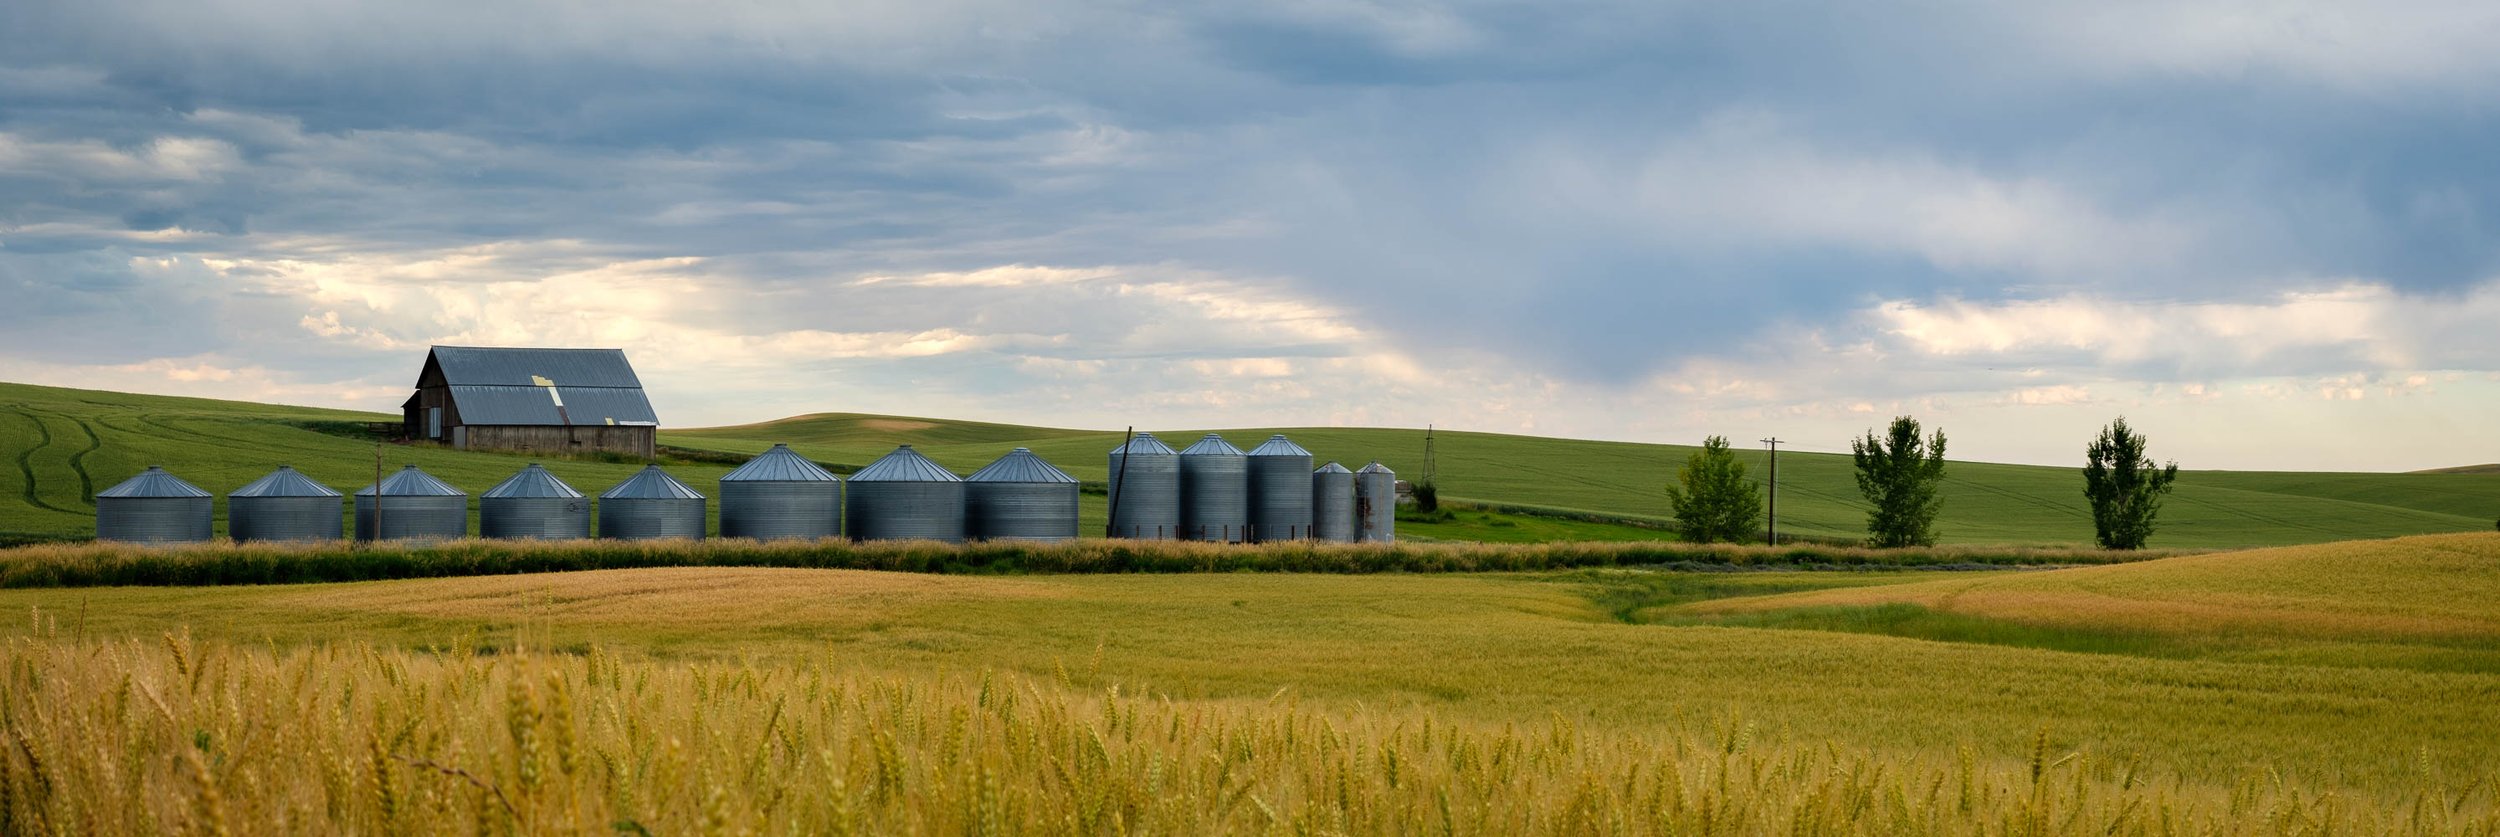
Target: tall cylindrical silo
[(533, 504), (414, 505), (1145, 490), (649, 505), (1332, 504), (1215, 492), (285, 506), (1376, 503), (1280, 491), (1020, 497), (905, 496), (154, 507), (779, 494)]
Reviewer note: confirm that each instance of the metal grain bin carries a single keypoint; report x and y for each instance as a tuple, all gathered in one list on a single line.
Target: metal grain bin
[(533, 504), (1145, 490), (414, 505), (779, 494), (154, 507), (1020, 497), (285, 506), (1215, 492), (651, 504), (1376, 503), (905, 496), (1332, 504), (1280, 491)]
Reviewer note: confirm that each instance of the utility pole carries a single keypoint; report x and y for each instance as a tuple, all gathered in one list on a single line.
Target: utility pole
[(1774, 538)]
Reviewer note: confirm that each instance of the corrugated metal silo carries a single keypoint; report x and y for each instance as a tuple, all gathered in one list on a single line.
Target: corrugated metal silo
[(779, 494), (1145, 490), (905, 496), (1020, 497), (414, 505), (284, 506), (154, 507), (533, 504), (1332, 504), (1280, 490), (651, 504), (1215, 491), (1376, 503)]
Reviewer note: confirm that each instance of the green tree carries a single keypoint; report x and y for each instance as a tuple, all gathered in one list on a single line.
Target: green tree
[(1715, 502), (2124, 486), (1899, 474)]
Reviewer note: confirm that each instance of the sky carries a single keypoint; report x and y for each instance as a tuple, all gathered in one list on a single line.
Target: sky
[(2263, 232)]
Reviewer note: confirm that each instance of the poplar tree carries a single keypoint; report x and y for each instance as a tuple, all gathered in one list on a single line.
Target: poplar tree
[(1715, 502), (2124, 486), (1899, 475)]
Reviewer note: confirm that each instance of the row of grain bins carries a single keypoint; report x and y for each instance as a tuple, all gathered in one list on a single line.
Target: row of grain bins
[(1211, 492)]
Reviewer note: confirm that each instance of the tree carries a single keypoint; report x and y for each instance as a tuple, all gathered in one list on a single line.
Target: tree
[(2124, 486), (1715, 502), (1899, 474)]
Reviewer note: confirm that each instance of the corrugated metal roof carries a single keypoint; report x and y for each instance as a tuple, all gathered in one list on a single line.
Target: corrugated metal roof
[(1331, 468), (1020, 465), (534, 481), (1278, 445), (1376, 468), (1212, 445), (529, 405), (520, 367), (651, 483), (780, 464), (410, 482), (153, 482), (904, 465), (1145, 444), (284, 482)]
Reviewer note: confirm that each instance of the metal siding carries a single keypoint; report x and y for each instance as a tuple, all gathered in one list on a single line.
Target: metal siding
[(1215, 492), (647, 518), (1280, 491), (1332, 504), (153, 519), (414, 516), (1030, 511), (558, 518), (1376, 501), (284, 518), (769, 509), (528, 406), (906, 509), (1150, 496)]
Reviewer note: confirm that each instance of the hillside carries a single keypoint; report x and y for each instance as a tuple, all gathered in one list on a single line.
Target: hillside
[(65, 444)]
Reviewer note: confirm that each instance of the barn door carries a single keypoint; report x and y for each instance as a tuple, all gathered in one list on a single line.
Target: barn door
[(434, 422)]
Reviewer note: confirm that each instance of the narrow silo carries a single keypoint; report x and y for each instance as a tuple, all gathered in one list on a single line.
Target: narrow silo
[(1020, 497), (651, 504), (1215, 492), (905, 496), (779, 494), (413, 505), (533, 504), (1145, 490), (154, 507), (284, 506), (1376, 503), (1332, 504), (1280, 491)]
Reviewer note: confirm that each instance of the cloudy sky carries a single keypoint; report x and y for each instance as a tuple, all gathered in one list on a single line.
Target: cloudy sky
[(2269, 233)]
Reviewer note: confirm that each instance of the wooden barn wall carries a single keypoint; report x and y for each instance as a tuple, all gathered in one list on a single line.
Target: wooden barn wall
[(631, 441)]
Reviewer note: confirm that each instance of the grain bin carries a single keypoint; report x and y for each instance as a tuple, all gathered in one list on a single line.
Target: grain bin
[(154, 507), (905, 496), (651, 504), (779, 494), (414, 505), (1020, 497), (284, 506), (1215, 492), (1145, 490), (1280, 490), (533, 504), (1376, 503), (1332, 504)]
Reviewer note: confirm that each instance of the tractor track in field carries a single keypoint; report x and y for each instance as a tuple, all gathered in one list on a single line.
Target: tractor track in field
[(78, 461), (26, 464)]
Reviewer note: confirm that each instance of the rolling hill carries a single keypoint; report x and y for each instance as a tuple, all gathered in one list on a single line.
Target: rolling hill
[(62, 445)]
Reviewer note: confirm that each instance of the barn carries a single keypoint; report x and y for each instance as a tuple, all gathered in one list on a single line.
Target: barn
[(532, 400)]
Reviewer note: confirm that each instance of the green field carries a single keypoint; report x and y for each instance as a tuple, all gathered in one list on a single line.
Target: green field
[(65, 444)]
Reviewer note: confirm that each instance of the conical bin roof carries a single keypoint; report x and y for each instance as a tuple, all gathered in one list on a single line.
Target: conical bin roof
[(1145, 444), (153, 482), (1331, 468), (651, 483), (1278, 445), (410, 482), (534, 482), (1020, 465), (1376, 468), (904, 465), (1212, 445), (284, 482), (779, 464)]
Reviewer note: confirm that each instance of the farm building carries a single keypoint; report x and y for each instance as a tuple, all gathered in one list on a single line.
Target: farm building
[(534, 400)]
